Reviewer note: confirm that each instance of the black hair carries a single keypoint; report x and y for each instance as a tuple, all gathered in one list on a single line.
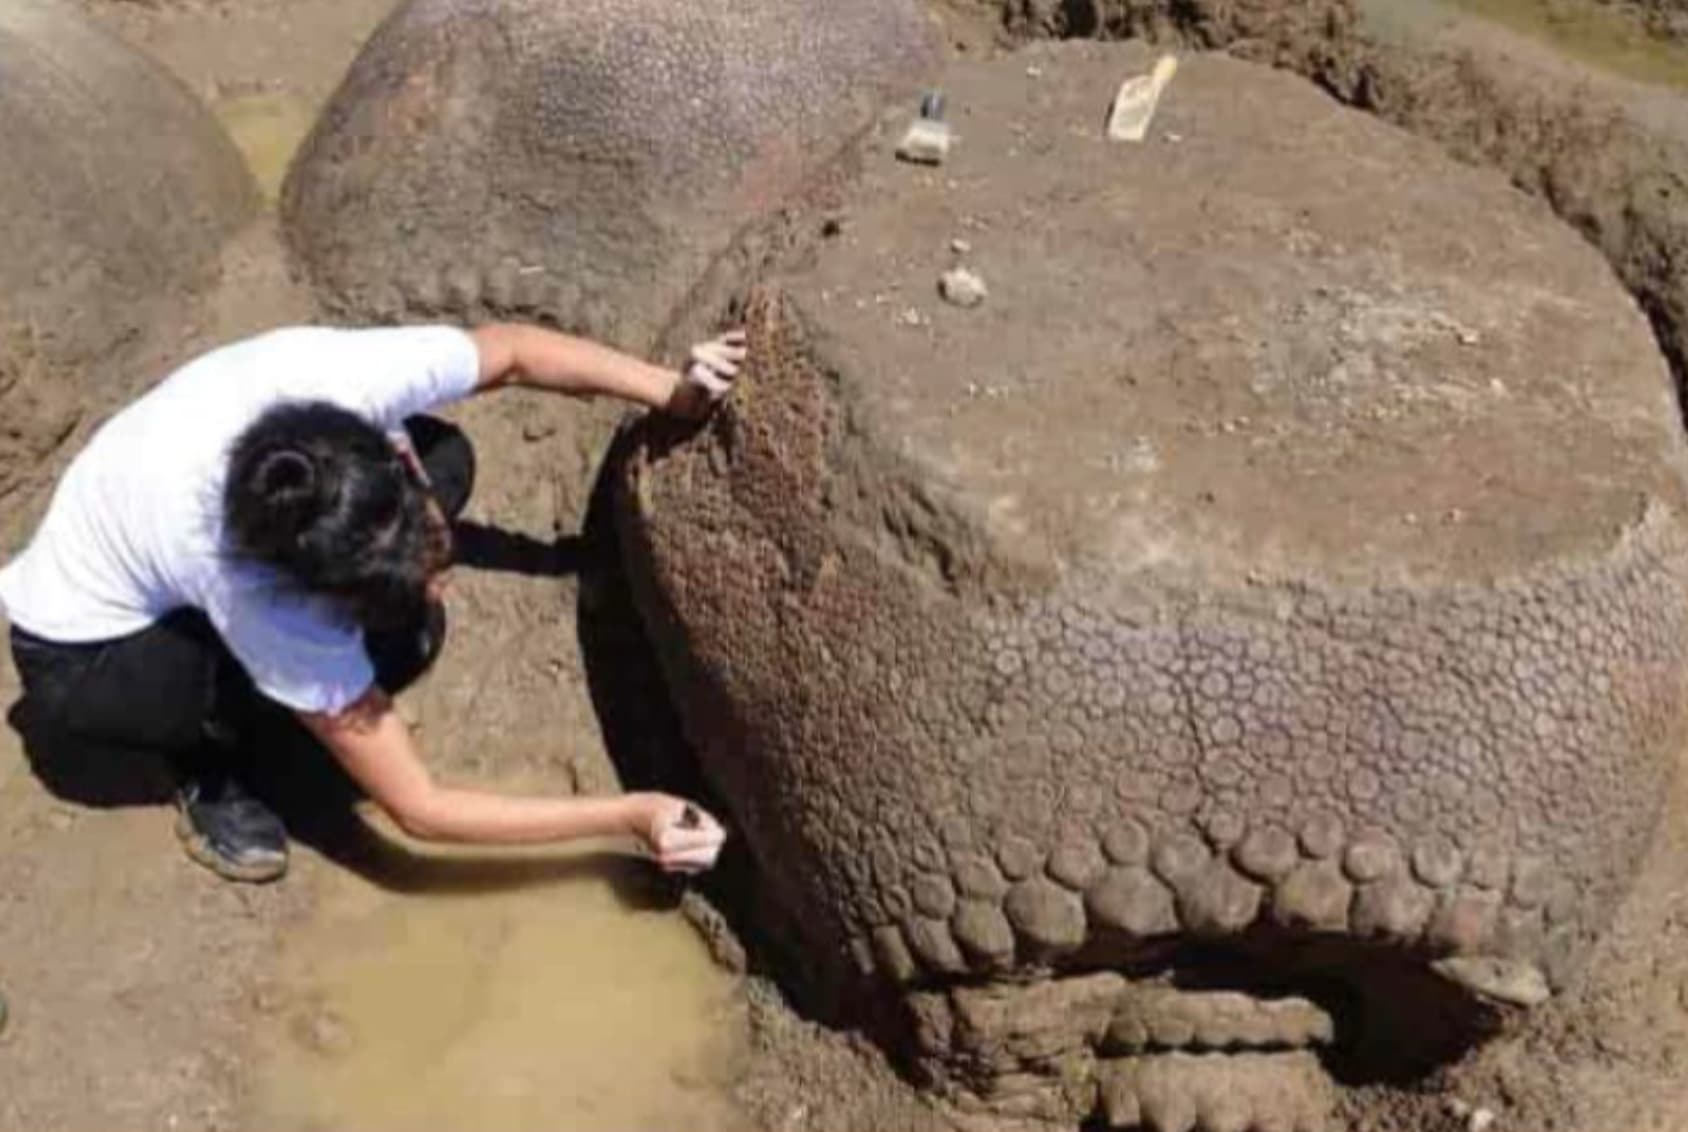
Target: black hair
[(323, 497)]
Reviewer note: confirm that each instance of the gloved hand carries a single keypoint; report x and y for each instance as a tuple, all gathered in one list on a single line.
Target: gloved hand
[(708, 376), (679, 835)]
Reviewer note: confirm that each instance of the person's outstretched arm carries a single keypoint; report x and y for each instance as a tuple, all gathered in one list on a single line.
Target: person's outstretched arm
[(376, 748), (517, 354)]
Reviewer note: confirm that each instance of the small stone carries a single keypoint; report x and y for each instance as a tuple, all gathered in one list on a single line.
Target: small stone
[(321, 1031), (962, 288), (266, 999), (926, 143), (960, 247)]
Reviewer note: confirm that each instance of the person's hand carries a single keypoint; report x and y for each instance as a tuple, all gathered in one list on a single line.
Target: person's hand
[(679, 835), (708, 376)]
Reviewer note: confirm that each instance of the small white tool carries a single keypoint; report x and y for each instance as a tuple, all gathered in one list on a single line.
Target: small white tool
[(928, 139), (1134, 105)]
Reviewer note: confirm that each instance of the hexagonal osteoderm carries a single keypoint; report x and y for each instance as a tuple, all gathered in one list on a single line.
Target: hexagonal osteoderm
[(1366, 888), (1216, 1093), (1167, 1019)]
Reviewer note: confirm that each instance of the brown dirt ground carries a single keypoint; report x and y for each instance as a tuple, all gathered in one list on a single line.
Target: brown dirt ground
[(136, 984)]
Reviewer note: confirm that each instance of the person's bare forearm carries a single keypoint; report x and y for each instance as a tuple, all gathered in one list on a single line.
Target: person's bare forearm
[(537, 358), (481, 818), (376, 748)]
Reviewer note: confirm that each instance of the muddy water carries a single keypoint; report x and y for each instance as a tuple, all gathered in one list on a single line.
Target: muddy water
[(267, 128), (1594, 34), (501, 994)]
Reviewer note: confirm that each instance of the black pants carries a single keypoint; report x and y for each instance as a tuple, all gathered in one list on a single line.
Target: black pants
[(174, 689)]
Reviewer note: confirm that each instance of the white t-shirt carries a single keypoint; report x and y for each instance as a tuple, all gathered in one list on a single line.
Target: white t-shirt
[(135, 528)]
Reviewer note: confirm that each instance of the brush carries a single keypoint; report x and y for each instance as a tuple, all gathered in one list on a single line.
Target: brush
[(1134, 105)]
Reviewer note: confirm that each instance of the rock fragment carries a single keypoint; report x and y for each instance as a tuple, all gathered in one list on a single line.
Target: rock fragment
[(962, 288), (928, 139)]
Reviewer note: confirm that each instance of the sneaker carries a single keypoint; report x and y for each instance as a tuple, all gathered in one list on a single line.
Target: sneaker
[(229, 831)]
